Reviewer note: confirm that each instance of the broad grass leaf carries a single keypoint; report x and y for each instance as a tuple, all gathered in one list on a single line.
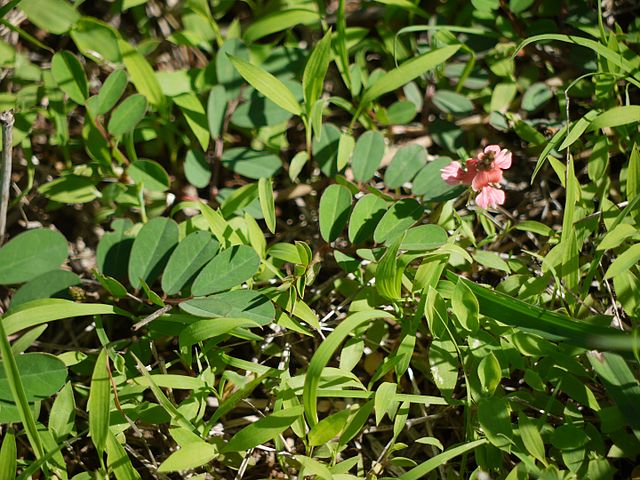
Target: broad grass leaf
[(141, 73), (212, 327), (268, 85), (195, 116), (577, 129), (633, 174), (30, 254), (150, 174), (443, 365), (54, 283), (616, 117), (110, 92), (38, 312), (531, 437), (335, 206), (278, 21), (236, 304), (398, 218), (494, 417), (63, 413), (251, 163), (8, 455), (328, 428), (187, 259), (384, 401), (424, 468), (489, 373), (620, 383), (68, 73), (316, 70), (70, 189), (263, 430), (548, 324), (151, 250), (465, 307), (388, 274), (626, 260), (405, 164), (118, 460), (365, 217), (406, 72), (313, 468), (267, 203), (367, 155), (229, 268), (356, 422), (127, 115), (98, 404), (324, 353), (53, 16), (234, 201), (42, 375), (189, 456)]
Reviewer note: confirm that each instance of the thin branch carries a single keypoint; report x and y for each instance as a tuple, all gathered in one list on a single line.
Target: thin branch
[(6, 120)]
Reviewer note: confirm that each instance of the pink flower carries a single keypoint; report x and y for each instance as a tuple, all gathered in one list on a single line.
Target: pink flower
[(483, 173)]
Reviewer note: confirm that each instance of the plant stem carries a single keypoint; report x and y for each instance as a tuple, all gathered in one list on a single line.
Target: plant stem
[(6, 120)]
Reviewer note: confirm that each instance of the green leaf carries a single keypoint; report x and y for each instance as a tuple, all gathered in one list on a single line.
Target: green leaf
[(406, 72), (210, 328), (388, 275), (197, 169), (70, 189), (494, 417), (398, 218), (489, 373), (366, 215), (316, 70), (616, 116), (195, 116), (452, 102), (118, 461), (367, 155), (127, 115), (267, 204), (314, 468), (54, 16), (38, 312), (187, 259), (325, 352), (235, 304), (531, 437), (633, 173), (384, 401), (42, 375), (97, 40), (251, 163), (54, 283), (30, 254), (491, 260), (228, 269), (405, 164), (465, 307), (68, 73), (629, 258), (151, 250), (192, 455), (430, 185), (263, 430), (98, 403), (226, 74), (443, 365), (63, 413), (141, 73), (278, 21), (328, 428), (550, 325), (111, 91), (424, 468), (8, 455), (536, 96), (216, 110), (268, 85), (424, 237), (335, 205), (150, 174)]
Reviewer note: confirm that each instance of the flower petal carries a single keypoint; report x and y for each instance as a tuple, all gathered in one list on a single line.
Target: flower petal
[(495, 149), (452, 173), (490, 197), (503, 159)]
